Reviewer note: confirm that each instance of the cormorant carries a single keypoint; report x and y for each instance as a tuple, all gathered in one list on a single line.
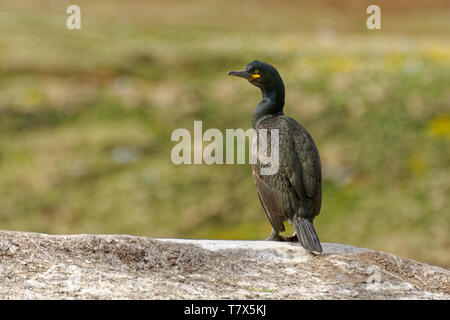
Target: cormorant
[(294, 192)]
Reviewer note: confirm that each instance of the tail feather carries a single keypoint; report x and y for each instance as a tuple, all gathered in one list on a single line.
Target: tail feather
[(307, 235)]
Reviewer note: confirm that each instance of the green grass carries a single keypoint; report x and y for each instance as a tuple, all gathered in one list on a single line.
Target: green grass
[(86, 118)]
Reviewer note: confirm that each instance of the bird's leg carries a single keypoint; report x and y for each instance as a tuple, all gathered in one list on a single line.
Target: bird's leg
[(274, 236), (292, 238)]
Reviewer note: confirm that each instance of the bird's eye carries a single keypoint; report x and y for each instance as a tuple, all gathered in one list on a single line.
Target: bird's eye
[(256, 71)]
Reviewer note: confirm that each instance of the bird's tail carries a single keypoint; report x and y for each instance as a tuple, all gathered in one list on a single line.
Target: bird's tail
[(307, 235)]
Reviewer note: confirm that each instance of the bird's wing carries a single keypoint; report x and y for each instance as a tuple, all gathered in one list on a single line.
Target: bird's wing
[(270, 200), (305, 175), (296, 188)]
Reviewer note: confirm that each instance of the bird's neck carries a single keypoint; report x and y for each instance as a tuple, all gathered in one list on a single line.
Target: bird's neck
[(271, 105)]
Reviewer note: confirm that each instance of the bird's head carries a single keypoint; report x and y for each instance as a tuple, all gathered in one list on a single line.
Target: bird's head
[(260, 74)]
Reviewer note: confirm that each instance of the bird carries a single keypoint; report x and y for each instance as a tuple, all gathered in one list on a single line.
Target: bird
[(294, 192)]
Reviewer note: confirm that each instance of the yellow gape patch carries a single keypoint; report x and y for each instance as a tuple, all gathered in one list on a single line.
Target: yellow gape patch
[(254, 76)]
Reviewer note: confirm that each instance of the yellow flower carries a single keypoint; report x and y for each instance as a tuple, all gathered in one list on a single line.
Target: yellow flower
[(440, 126)]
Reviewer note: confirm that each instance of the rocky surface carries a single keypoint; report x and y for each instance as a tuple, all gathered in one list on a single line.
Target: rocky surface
[(41, 266)]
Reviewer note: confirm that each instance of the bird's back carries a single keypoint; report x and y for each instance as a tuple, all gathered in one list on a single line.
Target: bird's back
[(295, 189)]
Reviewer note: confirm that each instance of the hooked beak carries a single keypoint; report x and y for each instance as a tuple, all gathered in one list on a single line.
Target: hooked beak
[(244, 74), (241, 74)]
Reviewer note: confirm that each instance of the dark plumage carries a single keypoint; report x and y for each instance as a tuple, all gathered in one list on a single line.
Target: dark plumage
[(294, 192)]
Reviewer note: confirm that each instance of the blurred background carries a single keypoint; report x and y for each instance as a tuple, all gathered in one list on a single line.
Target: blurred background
[(86, 117)]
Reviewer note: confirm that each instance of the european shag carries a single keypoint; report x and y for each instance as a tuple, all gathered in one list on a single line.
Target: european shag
[(294, 192)]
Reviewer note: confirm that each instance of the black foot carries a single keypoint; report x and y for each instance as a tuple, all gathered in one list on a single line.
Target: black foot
[(274, 236), (292, 238)]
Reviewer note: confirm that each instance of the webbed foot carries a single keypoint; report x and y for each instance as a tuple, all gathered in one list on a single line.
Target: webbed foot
[(292, 238), (275, 236)]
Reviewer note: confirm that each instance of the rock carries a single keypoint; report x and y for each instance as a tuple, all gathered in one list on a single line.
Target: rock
[(41, 266)]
